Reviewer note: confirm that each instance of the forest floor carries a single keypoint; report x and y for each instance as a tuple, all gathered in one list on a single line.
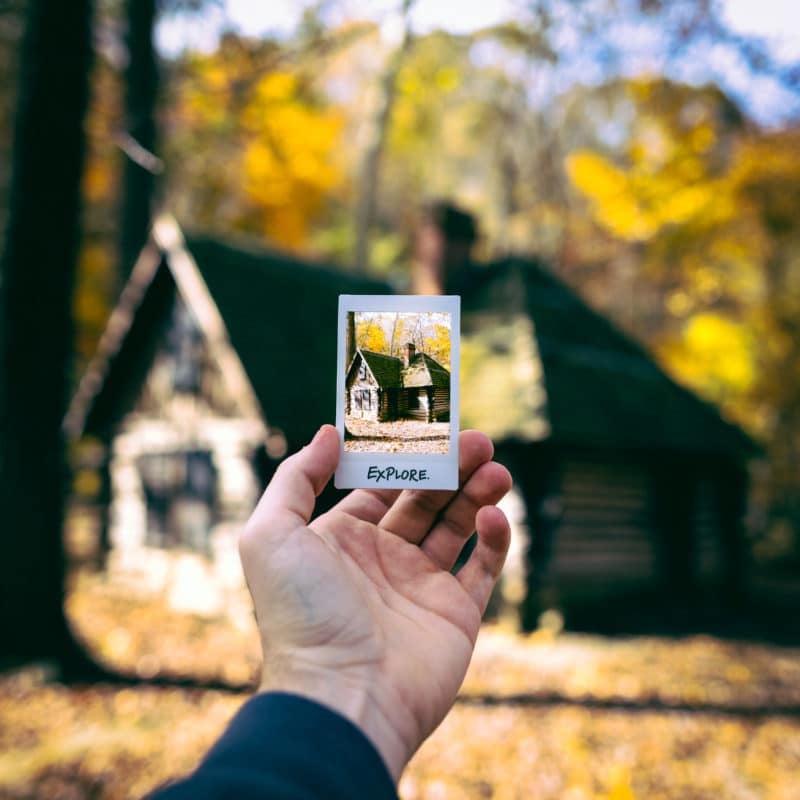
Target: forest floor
[(573, 717), (400, 436)]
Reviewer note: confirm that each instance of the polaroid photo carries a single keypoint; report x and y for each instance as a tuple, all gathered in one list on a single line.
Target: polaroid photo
[(397, 391)]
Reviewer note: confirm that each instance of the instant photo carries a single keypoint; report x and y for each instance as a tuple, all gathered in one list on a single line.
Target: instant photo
[(397, 392)]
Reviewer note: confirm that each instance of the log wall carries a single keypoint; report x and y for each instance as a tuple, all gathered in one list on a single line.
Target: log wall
[(441, 405), (708, 555), (605, 531)]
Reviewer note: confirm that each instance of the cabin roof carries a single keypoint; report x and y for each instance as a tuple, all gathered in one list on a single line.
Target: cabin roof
[(597, 385), (278, 317), (389, 372), (385, 369), (423, 370), (538, 362), (281, 316)]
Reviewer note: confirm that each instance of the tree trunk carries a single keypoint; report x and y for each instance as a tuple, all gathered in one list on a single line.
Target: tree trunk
[(12, 18), (141, 81), (36, 337), (350, 339), (378, 126)]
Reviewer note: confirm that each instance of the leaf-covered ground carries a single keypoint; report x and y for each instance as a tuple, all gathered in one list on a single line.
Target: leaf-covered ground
[(568, 717), (400, 436)]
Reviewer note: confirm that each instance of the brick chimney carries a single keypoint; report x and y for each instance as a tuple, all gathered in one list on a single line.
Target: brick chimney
[(442, 249), (408, 353)]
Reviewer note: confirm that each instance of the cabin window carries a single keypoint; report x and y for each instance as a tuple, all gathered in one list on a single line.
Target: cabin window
[(362, 399), (362, 371), (180, 491), (185, 345)]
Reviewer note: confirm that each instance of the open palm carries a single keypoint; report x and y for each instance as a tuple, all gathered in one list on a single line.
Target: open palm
[(358, 609)]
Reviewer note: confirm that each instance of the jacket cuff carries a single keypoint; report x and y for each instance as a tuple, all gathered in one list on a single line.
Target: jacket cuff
[(286, 746)]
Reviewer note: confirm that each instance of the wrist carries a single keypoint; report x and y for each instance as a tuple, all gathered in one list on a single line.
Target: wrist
[(351, 697)]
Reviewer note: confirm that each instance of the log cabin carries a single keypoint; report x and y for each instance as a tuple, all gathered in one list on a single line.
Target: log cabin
[(634, 489), (381, 387), (193, 398), (628, 484), (630, 496)]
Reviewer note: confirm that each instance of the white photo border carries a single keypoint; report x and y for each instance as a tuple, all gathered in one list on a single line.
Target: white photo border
[(411, 470)]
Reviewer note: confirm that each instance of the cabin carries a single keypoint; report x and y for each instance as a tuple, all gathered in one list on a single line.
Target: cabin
[(632, 490), (195, 396), (220, 360), (381, 387)]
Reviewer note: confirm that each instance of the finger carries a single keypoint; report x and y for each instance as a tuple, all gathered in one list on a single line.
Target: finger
[(487, 485), (368, 504), (415, 510), (479, 575), (289, 499)]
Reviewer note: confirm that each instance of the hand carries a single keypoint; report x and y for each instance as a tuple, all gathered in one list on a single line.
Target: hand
[(358, 610)]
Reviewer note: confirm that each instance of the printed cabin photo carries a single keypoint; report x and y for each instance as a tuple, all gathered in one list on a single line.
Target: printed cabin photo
[(397, 383), (382, 388)]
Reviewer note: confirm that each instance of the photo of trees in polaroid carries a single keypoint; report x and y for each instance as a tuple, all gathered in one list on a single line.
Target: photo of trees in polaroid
[(397, 382)]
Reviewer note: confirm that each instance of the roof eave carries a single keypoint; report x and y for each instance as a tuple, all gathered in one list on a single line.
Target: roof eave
[(193, 289), (118, 326), (166, 245)]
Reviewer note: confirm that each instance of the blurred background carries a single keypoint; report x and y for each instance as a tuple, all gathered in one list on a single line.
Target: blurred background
[(613, 188)]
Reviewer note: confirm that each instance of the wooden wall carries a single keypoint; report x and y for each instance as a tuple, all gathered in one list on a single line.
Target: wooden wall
[(438, 406), (611, 524), (402, 403), (605, 534), (358, 385), (441, 405), (707, 555)]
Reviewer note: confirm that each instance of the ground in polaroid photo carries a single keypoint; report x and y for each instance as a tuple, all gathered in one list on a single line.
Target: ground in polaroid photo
[(397, 382)]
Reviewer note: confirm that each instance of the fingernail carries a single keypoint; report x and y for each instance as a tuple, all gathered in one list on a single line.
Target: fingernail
[(316, 436)]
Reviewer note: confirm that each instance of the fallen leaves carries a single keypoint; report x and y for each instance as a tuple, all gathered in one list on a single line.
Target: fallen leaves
[(557, 725), (399, 436)]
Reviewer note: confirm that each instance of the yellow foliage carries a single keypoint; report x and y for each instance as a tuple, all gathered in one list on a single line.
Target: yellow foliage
[(370, 336), (447, 79), (271, 150), (712, 208), (620, 786), (98, 181), (288, 165), (637, 204), (715, 354), (91, 301), (614, 203), (438, 345), (595, 175), (278, 86), (702, 138)]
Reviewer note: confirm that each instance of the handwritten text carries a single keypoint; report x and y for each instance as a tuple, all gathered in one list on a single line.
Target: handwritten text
[(379, 474)]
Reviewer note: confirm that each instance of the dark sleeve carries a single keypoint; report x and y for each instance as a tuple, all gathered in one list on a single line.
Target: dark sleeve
[(284, 747)]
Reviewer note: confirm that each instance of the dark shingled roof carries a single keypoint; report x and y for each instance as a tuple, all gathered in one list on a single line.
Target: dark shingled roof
[(425, 371), (385, 369), (281, 317), (583, 380), (537, 362), (389, 372)]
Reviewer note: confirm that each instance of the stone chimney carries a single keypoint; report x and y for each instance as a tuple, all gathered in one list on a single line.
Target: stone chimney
[(408, 353), (442, 249)]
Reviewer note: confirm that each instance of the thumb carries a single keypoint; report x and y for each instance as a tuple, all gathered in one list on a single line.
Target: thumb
[(288, 501)]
